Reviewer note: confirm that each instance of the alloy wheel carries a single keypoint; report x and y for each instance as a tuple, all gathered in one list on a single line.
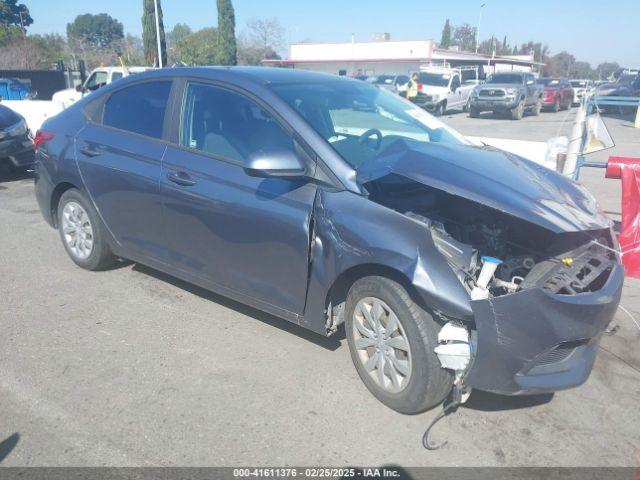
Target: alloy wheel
[(381, 344), (77, 230)]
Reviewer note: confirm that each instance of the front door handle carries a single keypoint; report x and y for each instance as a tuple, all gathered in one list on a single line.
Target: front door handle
[(89, 152), (181, 178)]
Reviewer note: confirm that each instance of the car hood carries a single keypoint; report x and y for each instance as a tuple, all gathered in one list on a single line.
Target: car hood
[(494, 178), (8, 117), (431, 89)]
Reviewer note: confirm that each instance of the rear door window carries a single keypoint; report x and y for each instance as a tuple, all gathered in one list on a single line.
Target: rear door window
[(139, 108)]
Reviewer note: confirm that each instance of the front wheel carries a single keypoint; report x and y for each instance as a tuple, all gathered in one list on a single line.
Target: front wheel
[(391, 341), (537, 107), (517, 112), (440, 109), (82, 233)]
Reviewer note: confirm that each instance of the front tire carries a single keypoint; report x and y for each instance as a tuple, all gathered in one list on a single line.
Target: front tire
[(391, 341), (517, 112), (82, 232), (535, 110)]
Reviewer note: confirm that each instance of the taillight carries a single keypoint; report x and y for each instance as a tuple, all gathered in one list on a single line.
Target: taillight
[(419, 86), (42, 136)]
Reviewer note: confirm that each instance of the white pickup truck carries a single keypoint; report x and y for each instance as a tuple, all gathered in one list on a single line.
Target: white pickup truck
[(441, 89), (98, 78)]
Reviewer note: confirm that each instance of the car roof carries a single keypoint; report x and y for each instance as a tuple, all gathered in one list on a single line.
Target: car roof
[(259, 75)]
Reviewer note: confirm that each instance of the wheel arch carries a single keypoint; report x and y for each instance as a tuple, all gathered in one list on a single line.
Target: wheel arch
[(56, 194), (337, 293)]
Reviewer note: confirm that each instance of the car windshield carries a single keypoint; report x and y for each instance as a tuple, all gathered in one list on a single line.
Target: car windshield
[(505, 78), (434, 79), (360, 121), (578, 83), (548, 82)]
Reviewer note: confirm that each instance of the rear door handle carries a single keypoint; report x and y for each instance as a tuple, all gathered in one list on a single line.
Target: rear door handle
[(181, 178), (89, 152)]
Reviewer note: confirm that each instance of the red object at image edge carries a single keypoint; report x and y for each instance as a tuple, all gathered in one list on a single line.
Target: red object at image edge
[(628, 170)]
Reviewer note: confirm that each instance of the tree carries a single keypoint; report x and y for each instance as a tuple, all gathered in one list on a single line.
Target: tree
[(504, 48), (23, 55), (606, 70), (12, 13), (488, 47), (464, 37), (267, 35), (445, 40), (53, 47), (199, 48), (559, 65), (179, 32), (10, 34), (97, 31), (132, 50), (227, 49), (540, 51), (149, 38), (251, 54), (581, 70)]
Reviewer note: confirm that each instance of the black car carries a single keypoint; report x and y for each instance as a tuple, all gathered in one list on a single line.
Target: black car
[(16, 145)]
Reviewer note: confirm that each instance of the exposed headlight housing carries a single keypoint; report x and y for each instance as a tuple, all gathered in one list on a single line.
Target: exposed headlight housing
[(511, 91)]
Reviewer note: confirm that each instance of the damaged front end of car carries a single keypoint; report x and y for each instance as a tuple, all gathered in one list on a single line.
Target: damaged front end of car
[(542, 282)]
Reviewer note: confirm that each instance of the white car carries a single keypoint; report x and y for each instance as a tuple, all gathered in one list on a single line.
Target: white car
[(98, 78), (580, 89), (441, 89)]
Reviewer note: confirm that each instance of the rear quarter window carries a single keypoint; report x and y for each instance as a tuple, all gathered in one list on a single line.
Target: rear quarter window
[(139, 108)]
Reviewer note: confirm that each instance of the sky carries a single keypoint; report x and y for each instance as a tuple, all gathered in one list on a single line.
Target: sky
[(593, 31)]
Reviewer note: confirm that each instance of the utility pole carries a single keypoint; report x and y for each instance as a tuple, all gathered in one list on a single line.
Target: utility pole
[(478, 29), (155, 3)]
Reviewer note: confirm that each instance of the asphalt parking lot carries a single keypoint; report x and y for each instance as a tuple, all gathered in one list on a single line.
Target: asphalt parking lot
[(131, 367)]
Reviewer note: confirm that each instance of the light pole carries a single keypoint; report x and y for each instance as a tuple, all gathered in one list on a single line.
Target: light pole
[(478, 29), (155, 3)]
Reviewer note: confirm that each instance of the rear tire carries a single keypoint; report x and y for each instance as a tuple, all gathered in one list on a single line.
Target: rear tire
[(426, 383), (82, 232), (440, 109)]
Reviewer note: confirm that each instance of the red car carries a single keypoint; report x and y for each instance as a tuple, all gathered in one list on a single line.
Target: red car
[(558, 93)]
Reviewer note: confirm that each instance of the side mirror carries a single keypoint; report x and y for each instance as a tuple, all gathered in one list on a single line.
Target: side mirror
[(274, 163), (80, 88)]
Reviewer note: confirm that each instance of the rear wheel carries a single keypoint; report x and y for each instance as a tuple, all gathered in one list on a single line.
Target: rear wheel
[(391, 341), (517, 112), (440, 109), (82, 232)]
